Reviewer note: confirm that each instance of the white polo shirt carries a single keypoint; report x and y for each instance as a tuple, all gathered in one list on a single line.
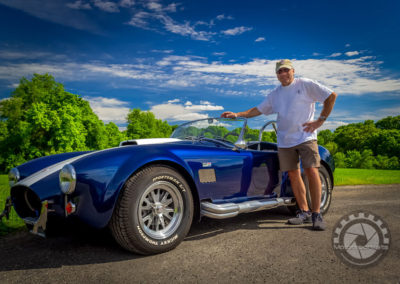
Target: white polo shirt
[(295, 105)]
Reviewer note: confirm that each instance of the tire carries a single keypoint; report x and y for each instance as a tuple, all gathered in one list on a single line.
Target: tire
[(154, 211), (326, 192)]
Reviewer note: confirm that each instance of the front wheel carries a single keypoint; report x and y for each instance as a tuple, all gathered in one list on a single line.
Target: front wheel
[(154, 211), (326, 191)]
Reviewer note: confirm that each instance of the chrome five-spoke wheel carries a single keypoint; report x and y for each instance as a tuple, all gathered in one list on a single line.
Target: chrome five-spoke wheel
[(160, 210)]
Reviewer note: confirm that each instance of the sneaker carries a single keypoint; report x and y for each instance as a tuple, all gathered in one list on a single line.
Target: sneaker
[(301, 218), (318, 223)]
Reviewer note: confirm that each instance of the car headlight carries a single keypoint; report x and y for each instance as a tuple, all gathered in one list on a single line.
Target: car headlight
[(67, 179), (13, 176)]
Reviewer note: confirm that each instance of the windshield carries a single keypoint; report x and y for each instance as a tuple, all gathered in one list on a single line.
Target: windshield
[(224, 129)]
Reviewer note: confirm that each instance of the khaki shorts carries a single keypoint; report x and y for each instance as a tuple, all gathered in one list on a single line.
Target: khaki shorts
[(308, 152)]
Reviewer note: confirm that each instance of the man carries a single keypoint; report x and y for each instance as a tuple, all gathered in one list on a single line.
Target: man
[(294, 102)]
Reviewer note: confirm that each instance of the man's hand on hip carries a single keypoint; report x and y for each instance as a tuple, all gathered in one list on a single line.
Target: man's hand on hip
[(312, 125)]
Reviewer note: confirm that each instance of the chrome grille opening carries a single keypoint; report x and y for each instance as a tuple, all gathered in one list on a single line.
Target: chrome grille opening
[(26, 202)]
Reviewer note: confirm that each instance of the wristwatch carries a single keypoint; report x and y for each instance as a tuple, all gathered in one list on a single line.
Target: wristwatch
[(323, 118)]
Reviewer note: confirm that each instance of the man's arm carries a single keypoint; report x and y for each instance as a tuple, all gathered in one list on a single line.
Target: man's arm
[(326, 110), (248, 113)]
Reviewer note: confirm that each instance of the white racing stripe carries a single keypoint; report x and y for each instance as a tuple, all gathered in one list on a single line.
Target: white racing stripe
[(28, 181), (33, 178)]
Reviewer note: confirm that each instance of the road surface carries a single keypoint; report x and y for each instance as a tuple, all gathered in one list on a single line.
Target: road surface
[(253, 247)]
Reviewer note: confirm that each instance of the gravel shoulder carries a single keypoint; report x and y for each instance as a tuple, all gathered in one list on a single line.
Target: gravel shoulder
[(253, 247)]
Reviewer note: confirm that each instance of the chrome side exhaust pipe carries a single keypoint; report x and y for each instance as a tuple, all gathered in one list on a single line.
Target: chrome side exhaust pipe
[(228, 210)]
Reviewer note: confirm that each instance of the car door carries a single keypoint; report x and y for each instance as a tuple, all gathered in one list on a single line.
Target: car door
[(220, 173)]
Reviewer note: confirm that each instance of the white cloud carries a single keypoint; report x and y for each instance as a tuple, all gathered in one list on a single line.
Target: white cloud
[(352, 53), (182, 112), (167, 51), (179, 83), (171, 7), (106, 6), (184, 29), (330, 124), (347, 45), (236, 31), (139, 20), (223, 17), (79, 5), (152, 5), (219, 53), (356, 76), (109, 109), (55, 12), (126, 3), (336, 54), (260, 39), (174, 101), (154, 13)]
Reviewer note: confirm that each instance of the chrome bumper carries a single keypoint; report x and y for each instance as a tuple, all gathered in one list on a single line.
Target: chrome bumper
[(39, 224)]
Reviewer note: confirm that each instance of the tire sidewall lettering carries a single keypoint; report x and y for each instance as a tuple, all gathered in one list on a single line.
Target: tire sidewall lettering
[(172, 179), (157, 243)]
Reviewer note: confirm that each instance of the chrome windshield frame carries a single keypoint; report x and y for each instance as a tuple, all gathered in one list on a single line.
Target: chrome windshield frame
[(240, 139)]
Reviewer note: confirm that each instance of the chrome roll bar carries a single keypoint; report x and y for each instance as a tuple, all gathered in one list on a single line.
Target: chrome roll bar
[(273, 122)]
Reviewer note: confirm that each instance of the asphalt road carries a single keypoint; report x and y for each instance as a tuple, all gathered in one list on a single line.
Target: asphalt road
[(253, 247)]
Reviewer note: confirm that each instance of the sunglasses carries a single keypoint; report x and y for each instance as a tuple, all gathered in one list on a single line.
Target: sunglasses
[(283, 70)]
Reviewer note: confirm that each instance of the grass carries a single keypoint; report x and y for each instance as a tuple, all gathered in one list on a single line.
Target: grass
[(342, 177), (366, 176), (14, 223)]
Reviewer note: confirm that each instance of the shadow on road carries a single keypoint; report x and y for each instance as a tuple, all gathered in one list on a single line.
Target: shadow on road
[(82, 245)]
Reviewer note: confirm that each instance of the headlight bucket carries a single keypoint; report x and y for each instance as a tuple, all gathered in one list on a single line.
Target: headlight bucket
[(13, 176), (67, 179)]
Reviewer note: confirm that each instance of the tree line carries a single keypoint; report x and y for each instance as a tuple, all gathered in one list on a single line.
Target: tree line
[(366, 145), (41, 118)]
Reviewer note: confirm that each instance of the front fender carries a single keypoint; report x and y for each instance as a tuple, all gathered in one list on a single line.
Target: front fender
[(101, 186)]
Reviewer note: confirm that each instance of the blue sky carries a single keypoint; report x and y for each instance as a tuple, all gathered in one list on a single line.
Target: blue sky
[(187, 60)]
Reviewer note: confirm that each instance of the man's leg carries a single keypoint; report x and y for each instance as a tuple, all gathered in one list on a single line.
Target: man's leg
[(314, 184), (289, 162), (299, 189)]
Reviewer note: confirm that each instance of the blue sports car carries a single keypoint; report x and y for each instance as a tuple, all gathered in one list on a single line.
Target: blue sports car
[(149, 191)]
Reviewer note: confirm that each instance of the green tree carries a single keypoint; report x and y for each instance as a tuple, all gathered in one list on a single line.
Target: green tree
[(325, 136), (385, 142), (41, 118), (389, 123), (354, 136), (340, 160), (143, 124), (114, 136)]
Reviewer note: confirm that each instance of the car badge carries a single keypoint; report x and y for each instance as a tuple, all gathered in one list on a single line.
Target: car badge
[(206, 164)]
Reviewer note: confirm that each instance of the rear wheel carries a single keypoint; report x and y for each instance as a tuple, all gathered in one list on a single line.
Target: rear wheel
[(326, 191), (154, 211)]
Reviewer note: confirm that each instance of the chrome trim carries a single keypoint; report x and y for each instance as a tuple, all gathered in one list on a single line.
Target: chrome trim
[(273, 122), (228, 210), (39, 224), (160, 210), (241, 142), (13, 176), (67, 179)]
